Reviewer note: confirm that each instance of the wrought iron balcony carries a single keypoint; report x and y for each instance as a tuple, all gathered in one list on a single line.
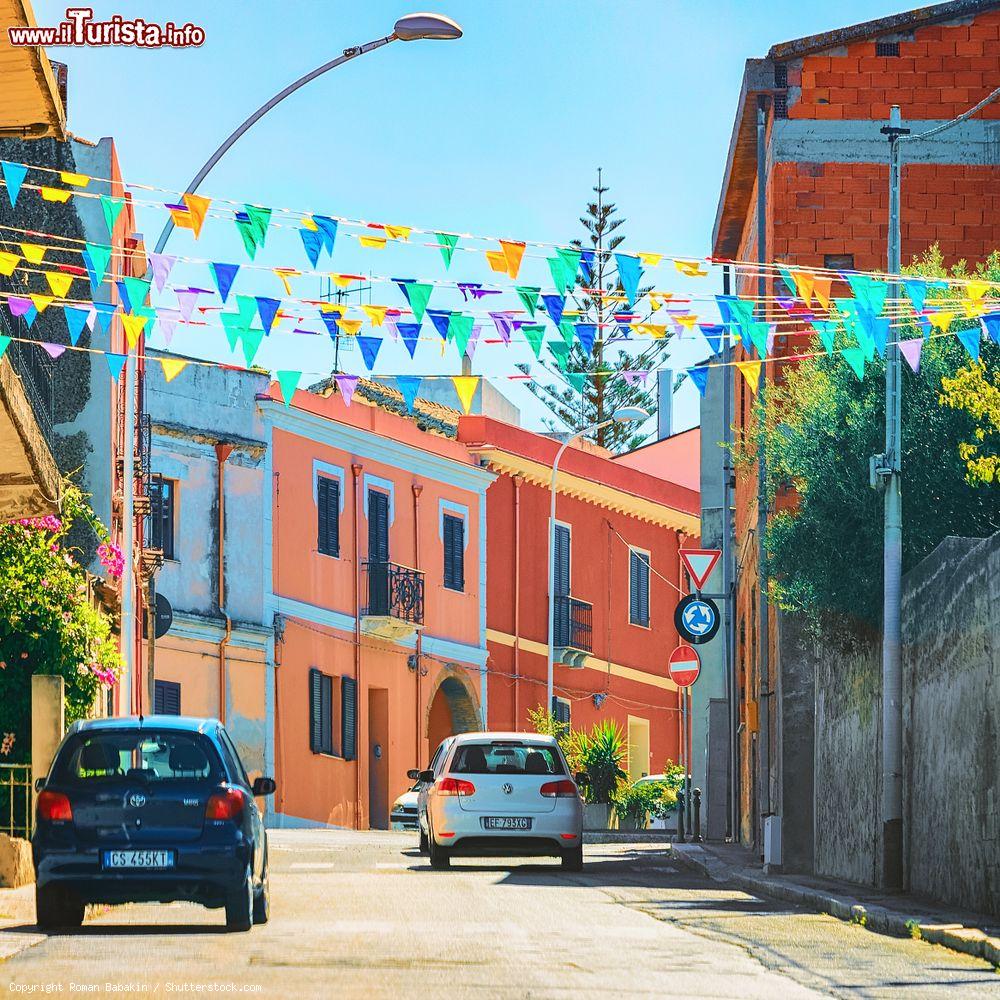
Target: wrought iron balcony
[(573, 630), (394, 605)]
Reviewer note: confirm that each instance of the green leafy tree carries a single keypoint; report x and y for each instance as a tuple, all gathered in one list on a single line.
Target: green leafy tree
[(548, 725), (600, 755), (588, 388), (821, 424), (49, 623)]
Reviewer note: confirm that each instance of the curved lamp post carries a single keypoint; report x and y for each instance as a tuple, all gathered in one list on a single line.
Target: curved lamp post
[(621, 415), (411, 28)]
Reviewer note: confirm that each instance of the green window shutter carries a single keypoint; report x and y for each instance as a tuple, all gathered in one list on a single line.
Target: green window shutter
[(349, 717)]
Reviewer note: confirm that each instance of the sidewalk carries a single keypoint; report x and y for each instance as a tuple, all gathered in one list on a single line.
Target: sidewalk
[(898, 914)]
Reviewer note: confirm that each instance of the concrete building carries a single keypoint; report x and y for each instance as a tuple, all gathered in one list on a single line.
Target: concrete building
[(822, 101)]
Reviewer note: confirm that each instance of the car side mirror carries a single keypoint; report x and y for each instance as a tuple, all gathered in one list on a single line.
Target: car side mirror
[(39, 784), (414, 773), (426, 776), (582, 778), (264, 786)]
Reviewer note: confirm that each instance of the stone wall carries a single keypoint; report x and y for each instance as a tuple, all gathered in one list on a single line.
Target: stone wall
[(951, 719)]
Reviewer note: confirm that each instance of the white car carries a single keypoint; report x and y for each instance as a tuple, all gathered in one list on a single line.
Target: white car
[(500, 795), (403, 815)]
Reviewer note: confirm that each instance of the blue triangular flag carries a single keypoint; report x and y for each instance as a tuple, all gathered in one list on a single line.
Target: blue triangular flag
[(554, 305), (329, 319), (76, 320), (115, 364), (312, 241), (327, 230), (13, 177), (970, 341), (224, 274), (713, 332), (96, 258), (629, 273), (991, 324), (410, 332), (699, 375), (440, 318), (105, 310), (408, 385), (267, 309), (880, 334), (369, 349), (916, 291), (30, 315), (586, 332), (587, 265)]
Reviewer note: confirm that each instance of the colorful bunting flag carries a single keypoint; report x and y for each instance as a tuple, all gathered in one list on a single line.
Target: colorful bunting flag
[(59, 283), (375, 314), (172, 367), (512, 252), (465, 387), (76, 320), (408, 386), (4, 344), (224, 275), (41, 302), (267, 309), (417, 295), (288, 381), (346, 384), (560, 352), (534, 333), (8, 262), (197, 210), (447, 244), (713, 333), (460, 330), (133, 325), (699, 376), (111, 209), (312, 243), (855, 357), (970, 338), (105, 311), (96, 258), (586, 333), (629, 274), (369, 350), (53, 350), (133, 292), (554, 305), (528, 294), (991, 326), (13, 177), (410, 332), (750, 370), (60, 195), (690, 268), (115, 363), (372, 242)]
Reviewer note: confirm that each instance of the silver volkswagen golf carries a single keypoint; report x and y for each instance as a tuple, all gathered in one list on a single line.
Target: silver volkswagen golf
[(500, 795)]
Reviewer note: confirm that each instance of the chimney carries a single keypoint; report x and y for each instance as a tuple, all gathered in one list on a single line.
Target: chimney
[(664, 404)]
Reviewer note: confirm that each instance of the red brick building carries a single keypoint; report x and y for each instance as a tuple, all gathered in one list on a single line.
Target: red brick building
[(823, 100)]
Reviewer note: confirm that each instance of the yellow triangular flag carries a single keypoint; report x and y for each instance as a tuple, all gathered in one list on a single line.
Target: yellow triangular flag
[(307, 223), (654, 304), (497, 260), (198, 207), (59, 283), (134, 325), (8, 261), (341, 280), (54, 194), (465, 386), (373, 242), (751, 372), (349, 326), (33, 253), (77, 180), (657, 331), (973, 308), (688, 320), (977, 289), (512, 252), (285, 273), (172, 367), (650, 259), (804, 283), (691, 268), (41, 302), (375, 314), (399, 232), (941, 320)]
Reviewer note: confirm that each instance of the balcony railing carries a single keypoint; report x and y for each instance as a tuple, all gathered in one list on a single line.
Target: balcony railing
[(574, 624), (394, 592)]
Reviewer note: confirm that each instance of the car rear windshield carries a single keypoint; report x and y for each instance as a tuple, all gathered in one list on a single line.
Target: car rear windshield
[(507, 757), (148, 755)]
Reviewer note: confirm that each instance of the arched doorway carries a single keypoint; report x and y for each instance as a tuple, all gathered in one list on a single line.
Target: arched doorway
[(452, 708)]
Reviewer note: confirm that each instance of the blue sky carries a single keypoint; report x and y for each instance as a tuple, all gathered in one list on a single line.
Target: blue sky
[(499, 133)]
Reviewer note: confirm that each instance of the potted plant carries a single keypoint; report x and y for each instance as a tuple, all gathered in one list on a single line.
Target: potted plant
[(634, 804), (599, 755)]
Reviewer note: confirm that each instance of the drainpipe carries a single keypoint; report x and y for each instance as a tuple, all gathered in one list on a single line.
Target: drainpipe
[(222, 453), (356, 471), (417, 490), (518, 483)]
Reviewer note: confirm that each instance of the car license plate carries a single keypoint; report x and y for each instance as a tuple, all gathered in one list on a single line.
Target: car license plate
[(506, 822), (138, 859)]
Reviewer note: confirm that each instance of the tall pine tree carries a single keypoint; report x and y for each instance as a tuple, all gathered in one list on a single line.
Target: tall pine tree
[(588, 388)]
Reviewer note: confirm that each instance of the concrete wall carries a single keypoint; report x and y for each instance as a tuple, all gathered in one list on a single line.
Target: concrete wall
[(951, 705)]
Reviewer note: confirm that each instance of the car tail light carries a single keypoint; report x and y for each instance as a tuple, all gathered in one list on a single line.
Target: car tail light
[(54, 807), (227, 804), (455, 786), (564, 789)]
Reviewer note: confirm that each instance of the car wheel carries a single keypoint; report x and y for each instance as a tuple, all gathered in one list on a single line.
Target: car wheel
[(57, 907), (424, 843), (240, 905), (262, 898), (440, 856), (572, 860)]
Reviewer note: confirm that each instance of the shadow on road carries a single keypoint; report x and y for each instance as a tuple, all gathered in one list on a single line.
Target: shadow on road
[(117, 930)]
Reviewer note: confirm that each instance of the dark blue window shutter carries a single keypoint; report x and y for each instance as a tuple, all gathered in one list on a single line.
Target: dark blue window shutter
[(328, 504), (349, 717), (315, 710), (638, 590), (454, 552), (562, 541), (378, 527), (166, 698)]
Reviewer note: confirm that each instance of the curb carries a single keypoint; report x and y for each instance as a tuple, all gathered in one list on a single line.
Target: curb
[(968, 940)]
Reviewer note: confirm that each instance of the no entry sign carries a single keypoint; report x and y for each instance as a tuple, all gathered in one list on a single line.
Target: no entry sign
[(684, 666)]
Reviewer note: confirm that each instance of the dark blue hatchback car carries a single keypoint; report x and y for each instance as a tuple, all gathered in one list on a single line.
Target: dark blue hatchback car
[(151, 809)]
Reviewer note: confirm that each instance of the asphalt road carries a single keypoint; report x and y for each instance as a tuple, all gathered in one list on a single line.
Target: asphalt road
[(363, 915)]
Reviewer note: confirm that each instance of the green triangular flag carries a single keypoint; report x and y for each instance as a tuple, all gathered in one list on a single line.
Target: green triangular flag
[(558, 270), (577, 379), (786, 277), (112, 208), (855, 357), (150, 313), (249, 239), (4, 344), (235, 326), (138, 291), (100, 257), (448, 244), (246, 306), (289, 382), (758, 335), (251, 344), (460, 328), (568, 331), (417, 293), (528, 294), (570, 258), (260, 219), (560, 352), (826, 331), (534, 333)]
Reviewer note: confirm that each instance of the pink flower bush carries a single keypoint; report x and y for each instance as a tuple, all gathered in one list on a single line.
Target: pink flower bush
[(111, 558), (48, 523)]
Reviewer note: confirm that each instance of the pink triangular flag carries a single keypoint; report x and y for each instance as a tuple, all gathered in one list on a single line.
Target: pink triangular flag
[(166, 323), (633, 377), (346, 384), (470, 347), (91, 318), (186, 299), (910, 349), (53, 350), (161, 265), (18, 305)]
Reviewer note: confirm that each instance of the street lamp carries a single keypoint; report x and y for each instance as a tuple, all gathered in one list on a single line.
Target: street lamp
[(622, 415), (411, 28)]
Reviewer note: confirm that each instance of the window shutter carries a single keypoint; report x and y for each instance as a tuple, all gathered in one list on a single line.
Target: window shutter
[(326, 714), (315, 710), (638, 610), (328, 504), (454, 552), (562, 560), (349, 717), (166, 698), (378, 527), (560, 710)]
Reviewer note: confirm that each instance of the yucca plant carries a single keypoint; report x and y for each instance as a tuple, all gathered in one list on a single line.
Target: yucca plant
[(599, 754)]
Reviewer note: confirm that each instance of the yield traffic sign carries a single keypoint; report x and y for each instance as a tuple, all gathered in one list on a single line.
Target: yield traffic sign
[(700, 563), (684, 666)]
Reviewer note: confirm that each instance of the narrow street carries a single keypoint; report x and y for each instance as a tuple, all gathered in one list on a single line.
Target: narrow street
[(364, 915)]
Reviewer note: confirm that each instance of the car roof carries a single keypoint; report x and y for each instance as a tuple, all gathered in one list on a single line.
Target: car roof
[(184, 723), (541, 738)]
